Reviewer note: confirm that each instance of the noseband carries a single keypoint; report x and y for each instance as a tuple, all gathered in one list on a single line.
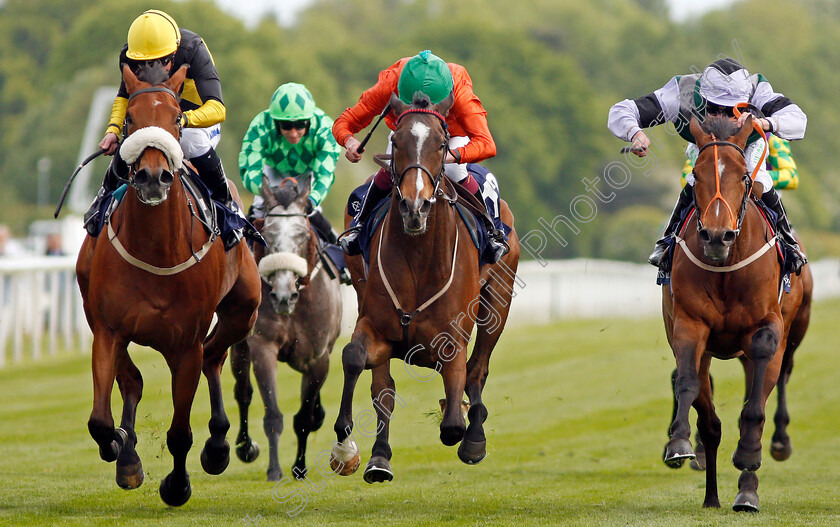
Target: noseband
[(396, 180), (736, 222)]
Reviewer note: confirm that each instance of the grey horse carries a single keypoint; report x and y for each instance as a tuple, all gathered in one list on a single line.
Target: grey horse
[(298, 322)]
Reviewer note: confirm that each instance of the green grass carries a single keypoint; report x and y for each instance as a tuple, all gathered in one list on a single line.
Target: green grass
[(578, 419)]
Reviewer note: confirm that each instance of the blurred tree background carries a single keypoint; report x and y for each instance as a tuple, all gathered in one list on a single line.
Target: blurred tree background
[(547, 72)]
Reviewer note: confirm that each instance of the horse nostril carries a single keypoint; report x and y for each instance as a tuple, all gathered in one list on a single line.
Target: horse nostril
[(705, 236), (426, 206), (404, 207), (166, 178), (729, 237), (141, 177), (294, 296)]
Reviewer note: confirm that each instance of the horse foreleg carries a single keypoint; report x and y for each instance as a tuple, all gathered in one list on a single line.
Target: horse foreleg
[(764, 365), (129, 468), (101, 422), (345, 456), (310, 417), (780, 447), (264, 360), (240, 364), (454, 373), (215, 456), (708, 428), (688, 346), (383, 393), (185, 367)]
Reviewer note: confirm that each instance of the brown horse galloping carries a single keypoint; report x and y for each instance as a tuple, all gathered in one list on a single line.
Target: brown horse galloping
[(724, 303), (155, 278), (422, 295)]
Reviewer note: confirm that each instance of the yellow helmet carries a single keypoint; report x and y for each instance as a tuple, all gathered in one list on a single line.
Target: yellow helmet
[(153, 35)]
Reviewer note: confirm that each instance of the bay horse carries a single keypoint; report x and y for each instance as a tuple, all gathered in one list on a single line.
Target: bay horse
[(298, 323), (422, 296), (724, 302), (155, 277)]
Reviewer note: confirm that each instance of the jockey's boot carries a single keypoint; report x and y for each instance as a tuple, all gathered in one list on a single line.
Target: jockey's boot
[(117, 170), (212, 174), (685, 199), (349, 242), (498, 246), (797, 258)]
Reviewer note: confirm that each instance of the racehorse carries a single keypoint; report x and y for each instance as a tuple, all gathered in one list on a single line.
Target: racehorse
[(724, 302), (422, 296), (299, 320), (156, 278)]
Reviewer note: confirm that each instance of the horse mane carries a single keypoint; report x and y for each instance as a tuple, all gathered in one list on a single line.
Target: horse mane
[(720, 126), (152, 72)]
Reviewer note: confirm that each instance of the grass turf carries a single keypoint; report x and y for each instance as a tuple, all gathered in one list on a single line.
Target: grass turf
[(578, 418)]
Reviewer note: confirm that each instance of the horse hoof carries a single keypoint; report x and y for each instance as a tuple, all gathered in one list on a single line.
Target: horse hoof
[(746, 501), (451, 435), (248, 451), (345, 458), (111, 452), (214, 460), (299, 472), (172, 496), (378, 470), (781, 450), (274, 474), (676, 452), (472, 452), (750, 461), (130, 477)]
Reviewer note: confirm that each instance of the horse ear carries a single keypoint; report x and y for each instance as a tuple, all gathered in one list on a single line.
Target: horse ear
[(305, 185), (177, 79), (700, 137), (397, 105), (131, 82), (267, 193), (743, 134), (445, 105)]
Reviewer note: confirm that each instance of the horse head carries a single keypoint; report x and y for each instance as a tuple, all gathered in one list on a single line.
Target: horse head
[(152, 130), (418, 147), (722, 184), (286, 230)]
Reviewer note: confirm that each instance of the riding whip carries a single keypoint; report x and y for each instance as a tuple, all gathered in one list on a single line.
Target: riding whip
[(367, 137), (87, 160)]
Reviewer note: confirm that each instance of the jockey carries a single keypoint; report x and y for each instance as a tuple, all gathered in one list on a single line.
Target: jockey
[(154, 36), (291, 138), (470, 140), (721, 86)]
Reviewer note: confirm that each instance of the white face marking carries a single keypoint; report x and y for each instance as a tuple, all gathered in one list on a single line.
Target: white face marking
[(156, 103), (721, 167), (420, 132)]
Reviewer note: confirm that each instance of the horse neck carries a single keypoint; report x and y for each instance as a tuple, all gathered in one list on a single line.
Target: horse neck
[(160, 230)]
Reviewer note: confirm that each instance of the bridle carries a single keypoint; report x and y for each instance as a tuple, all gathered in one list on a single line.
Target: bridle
[(747, 180), (396, 180), (132, 169)]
